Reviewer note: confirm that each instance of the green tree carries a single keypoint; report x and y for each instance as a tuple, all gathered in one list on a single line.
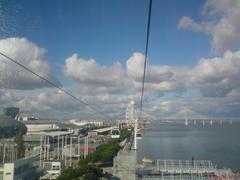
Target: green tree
[(124, 134), (20, 145), (84, 170), (90, 176)]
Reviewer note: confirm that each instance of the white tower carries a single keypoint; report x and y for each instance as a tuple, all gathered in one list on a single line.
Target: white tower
[(195, 122), (211, 122), (135, 133), (186, 119), (130, 114)]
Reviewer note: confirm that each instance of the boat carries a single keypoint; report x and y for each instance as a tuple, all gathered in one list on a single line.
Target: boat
[(147, 161)]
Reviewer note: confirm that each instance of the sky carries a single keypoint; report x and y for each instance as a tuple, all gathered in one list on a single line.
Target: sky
[(95, 50)]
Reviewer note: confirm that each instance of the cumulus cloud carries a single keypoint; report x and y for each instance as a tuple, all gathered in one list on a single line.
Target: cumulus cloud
[(95, 78), (217, 76), (188, 23), (91, 77), (161, 78), (108, 88), (48, 102), (221, 21), (30, 55)]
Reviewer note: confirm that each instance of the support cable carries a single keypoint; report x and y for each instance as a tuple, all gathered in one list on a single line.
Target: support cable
[(145, 54), (55, 85)]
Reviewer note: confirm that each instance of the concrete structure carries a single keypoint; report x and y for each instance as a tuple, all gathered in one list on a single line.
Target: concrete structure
[(54, 140), (101, 131), (132, 120), (59, 145), (86, 122), (124, 165), (130, 114), (25, 118), (182, 170), (53, 170), (92, 134), (8, 151), (19, 169), (2, 111), (32, 138), (36, 128), (36, 138)]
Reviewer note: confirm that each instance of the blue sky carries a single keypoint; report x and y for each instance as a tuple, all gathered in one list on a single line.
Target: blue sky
[(111, 31)]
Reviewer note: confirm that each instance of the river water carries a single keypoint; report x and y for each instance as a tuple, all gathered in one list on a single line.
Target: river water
[(220, 144)]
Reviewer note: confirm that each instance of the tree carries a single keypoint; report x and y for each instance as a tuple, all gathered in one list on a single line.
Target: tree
[(90, 176), (20, 145), (124, 134), (84, 170)]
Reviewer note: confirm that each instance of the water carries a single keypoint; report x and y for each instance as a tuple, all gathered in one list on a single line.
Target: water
[(219, 144)]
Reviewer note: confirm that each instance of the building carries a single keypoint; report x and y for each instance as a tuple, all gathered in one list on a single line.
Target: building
[(8, 151), (2, 111), (86, 122), (9, 111), (27, 118), (124, 165), (9, 127), (101, 131), (19, 169), (35, 127), (53, 170)]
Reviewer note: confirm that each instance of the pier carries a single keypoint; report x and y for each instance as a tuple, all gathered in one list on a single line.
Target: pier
[(182, 169)]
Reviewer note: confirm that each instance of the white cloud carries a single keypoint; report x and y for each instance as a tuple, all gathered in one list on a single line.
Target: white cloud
[(49, 102), (161, 78), (111, 88), (188, 23), (30, 55), (217, 76), (221, 21), (95, 78), (92, 78), (166, 106)]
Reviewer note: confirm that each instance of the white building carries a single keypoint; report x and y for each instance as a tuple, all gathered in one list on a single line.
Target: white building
[(86, 122), (19, 169), (37, 128), (53, 170)]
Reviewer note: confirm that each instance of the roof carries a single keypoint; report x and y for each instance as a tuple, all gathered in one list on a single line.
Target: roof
[(51, 134), (56, 133), (103, 129)]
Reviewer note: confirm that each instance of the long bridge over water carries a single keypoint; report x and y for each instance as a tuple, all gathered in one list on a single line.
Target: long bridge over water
[(126, 167)]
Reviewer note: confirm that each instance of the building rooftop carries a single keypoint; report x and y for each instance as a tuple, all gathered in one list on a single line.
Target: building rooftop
[(56, 133), (103, 129)]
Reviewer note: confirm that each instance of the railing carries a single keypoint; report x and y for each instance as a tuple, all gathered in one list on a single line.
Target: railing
[(183, 169)]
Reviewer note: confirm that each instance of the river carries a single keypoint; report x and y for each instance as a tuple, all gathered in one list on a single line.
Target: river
[(220, 144)]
